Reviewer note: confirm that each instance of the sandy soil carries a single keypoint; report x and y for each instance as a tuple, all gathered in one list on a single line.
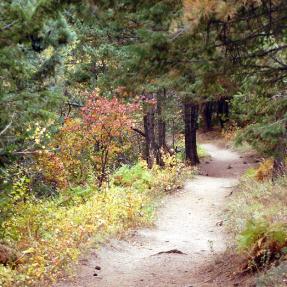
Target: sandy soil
[(188, 235)]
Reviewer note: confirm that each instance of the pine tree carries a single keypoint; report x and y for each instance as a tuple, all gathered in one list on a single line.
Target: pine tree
[(250, 38), (33, 42)]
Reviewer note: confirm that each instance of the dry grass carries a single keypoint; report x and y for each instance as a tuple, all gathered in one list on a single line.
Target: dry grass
[(257, 220), (258, 200)]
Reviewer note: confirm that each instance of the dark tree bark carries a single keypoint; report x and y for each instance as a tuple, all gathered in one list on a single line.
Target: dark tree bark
[(173, 134), (207, 115), (190, 122), (161, 125), (279, 165), (150, 151), (161, 131), (223, 111)]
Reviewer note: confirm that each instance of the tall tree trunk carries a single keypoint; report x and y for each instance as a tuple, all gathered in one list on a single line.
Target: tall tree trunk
[(173, 134), (279, 165), (190, 122), (150, 151), (161, 125), (161, 131), (207, 116), (223, 111)]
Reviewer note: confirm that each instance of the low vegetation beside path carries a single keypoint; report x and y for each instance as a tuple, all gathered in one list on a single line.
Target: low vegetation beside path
[(49, 234), (257, 220)]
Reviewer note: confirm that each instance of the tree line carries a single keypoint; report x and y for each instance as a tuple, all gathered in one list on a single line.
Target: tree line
[(184, 63)]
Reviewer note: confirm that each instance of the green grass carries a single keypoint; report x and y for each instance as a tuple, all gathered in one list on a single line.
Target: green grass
[(202, 153)]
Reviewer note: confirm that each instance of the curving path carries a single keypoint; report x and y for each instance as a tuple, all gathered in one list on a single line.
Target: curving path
[(188, 234)]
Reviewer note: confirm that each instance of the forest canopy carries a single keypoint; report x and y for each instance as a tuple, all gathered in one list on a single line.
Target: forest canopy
[(88, 88)]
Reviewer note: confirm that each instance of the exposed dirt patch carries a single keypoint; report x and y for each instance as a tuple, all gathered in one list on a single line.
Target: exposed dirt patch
[(186, 245), (225, 270)]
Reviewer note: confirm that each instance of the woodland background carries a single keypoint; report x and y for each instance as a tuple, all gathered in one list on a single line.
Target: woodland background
[(100, 105)]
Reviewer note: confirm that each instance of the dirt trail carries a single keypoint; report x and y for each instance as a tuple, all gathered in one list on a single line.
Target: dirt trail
[(188, 234)]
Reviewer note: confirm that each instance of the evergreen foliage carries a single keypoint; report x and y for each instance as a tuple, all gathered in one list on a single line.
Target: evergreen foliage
[(33, 44), (70, 71)]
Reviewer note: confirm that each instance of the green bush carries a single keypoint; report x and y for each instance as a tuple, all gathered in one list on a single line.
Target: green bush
[(136, 176), (256, 230)]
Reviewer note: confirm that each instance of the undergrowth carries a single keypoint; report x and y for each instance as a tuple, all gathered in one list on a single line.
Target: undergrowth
[(180, 155), (257, 218), (276, 276), (50, 233)]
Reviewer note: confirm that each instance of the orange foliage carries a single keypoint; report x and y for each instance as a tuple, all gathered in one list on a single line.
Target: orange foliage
[(108, 125), (230, 133), (89, 145), (75, 150), (195, 10), (264, 171), (53, 169)]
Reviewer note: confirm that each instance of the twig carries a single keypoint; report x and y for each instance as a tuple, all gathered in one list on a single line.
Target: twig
[(172, 251), (139, 131), (8, 126), (8, 26)]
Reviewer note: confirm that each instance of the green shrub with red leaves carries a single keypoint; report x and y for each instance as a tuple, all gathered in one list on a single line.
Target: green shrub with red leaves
[(89, 145)]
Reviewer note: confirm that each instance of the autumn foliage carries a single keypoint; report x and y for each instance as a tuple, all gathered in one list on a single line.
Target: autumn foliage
[(194, 10), (90, 145), (107, 123)]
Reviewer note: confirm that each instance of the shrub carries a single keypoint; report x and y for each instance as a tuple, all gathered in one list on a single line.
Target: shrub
[(257, 217), (88, 145), (230, 132), (264, 171), (107, 123), (263, 241), (53, 169), (49, 233), (137, 176)]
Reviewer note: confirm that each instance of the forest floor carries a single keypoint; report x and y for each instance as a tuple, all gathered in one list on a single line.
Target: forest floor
[(187, 246)]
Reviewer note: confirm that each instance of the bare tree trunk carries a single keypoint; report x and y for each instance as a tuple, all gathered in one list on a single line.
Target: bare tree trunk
[(190, 121), (173, 134), (150, 152), (207, 116), (279, 165), (161, 125), (161, 131), (104, 160), (223, 112)]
